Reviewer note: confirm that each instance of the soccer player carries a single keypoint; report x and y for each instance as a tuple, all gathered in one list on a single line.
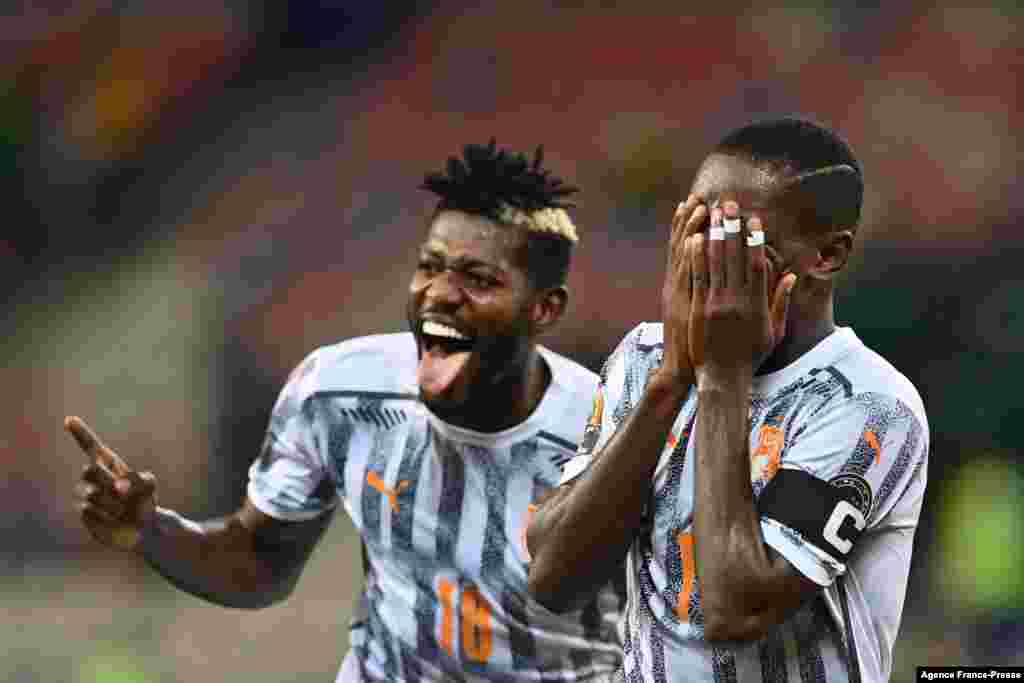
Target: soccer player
[(761, 467), (436, 441)]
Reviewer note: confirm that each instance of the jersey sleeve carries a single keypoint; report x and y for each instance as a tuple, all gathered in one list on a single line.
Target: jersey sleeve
[(289, 480), (843, 470), (613, 402)]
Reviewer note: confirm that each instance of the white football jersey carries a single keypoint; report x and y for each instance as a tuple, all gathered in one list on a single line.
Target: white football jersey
[(838, 461), (442, 511)]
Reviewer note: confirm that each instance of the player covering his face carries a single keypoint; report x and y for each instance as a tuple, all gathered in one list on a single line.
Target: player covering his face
[(761, 468)]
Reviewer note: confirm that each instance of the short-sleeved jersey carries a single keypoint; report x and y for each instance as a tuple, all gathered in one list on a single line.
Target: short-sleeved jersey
[(838, 459), (442, 511)]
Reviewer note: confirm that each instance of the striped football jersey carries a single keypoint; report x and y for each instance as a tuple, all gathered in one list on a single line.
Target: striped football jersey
[(838, 459), (442, 511)]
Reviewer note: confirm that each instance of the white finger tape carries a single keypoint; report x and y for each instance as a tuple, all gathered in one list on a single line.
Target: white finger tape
[(716, 233), (732, 225), (756, 238)]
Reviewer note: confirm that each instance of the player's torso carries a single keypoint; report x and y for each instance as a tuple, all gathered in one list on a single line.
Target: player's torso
[(663, 573), (442, 513), (665, 627)]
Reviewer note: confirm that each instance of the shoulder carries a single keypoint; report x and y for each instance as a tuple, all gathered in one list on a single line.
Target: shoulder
[(871, 375), (644, 344), (639, 352), (567, 373), (374, 363)]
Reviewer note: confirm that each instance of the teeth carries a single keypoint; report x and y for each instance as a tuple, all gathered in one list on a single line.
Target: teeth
[(436, 329)]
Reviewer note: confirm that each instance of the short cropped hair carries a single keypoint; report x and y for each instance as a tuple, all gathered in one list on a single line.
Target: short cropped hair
[(503, 186), (810, 158)]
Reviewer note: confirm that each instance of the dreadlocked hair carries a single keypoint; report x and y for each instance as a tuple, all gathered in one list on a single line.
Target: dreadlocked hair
[(508, 188)]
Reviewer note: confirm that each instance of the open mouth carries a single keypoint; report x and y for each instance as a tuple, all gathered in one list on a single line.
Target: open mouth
[(444, 338), (446, 361)]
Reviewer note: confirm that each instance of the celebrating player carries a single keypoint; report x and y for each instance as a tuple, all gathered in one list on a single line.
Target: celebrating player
[(437, 441), (761, 467)]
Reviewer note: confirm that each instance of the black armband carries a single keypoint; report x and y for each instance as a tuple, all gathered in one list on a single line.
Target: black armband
[(830, 515)]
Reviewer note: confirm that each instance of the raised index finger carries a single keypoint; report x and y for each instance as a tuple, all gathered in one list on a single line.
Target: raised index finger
[(94, 448)]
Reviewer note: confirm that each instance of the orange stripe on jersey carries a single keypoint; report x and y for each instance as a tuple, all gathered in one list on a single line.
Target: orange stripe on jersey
[(689, 563), (872, 440), (765, 460), (598, 410)]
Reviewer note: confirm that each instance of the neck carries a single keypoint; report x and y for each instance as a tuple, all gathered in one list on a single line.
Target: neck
[(507, 401), (808, 323)]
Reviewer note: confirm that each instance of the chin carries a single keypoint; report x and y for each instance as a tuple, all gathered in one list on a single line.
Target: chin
[(451, 402)]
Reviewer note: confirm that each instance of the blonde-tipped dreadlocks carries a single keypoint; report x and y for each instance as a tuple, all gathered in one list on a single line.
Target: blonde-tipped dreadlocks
[(507, 188)]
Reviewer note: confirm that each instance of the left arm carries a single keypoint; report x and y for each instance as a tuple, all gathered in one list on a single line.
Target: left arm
[(746, 588)]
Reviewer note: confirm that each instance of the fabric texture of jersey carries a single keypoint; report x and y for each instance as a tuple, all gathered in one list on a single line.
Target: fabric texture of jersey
[(838, 456), (442, 511)]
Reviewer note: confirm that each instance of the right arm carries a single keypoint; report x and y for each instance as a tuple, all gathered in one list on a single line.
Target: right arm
[(247, 560), (581, 533)]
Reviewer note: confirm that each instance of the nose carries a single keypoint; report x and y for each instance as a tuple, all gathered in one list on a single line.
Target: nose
[(443, 288)]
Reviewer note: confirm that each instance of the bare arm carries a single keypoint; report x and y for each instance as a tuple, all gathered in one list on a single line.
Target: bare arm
[(579, 537), (247, 559), (746, 588)]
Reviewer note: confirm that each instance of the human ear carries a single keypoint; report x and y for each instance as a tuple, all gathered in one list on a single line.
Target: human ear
[(833, 254), (548, 308)]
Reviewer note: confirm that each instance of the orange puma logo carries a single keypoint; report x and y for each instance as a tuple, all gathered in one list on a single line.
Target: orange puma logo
[(376, 482)]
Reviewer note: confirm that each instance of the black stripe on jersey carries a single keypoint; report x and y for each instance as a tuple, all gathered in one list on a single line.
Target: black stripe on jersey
[(449, 511), (369, 415), (658, 658), (838, 377), (554, 438), (805, 504), (410, 664), (425, 610), (492, 555), (374, 501), (372, 395), (591, 620), (772, 653), (339, 438), (524, 650), (377, 632), (909, 448), (853, 664), (408, 470), (809, 629), (647, 348), (723, 664)]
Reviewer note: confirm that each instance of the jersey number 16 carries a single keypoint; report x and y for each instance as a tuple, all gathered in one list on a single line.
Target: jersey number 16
[(476, 637)]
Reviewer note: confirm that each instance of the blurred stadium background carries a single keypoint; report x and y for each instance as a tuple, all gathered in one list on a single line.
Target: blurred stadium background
[(198, 193)]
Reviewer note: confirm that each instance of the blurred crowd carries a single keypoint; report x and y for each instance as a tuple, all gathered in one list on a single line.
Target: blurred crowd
[(198, 193)]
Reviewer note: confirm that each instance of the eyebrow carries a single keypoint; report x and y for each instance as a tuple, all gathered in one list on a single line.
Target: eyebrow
[(461, 262)]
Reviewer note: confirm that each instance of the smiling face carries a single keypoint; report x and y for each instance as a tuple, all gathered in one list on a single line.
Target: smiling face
[(470, 308)]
